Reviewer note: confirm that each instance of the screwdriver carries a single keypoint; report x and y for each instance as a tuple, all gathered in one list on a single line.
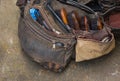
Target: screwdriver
[(35, 14), (63, 13), (67, 29)]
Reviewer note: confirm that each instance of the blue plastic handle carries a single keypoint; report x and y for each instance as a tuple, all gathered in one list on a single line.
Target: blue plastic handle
[(33, 13)]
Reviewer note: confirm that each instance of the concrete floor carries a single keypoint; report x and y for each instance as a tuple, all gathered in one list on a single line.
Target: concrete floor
[(16, 66)]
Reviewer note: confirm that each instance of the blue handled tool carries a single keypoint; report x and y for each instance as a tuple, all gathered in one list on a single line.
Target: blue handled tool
[(35, 14)]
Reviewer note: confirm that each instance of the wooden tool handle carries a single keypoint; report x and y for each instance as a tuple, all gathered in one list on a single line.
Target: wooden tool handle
[(75, 20), (99, 22), (86, 23)]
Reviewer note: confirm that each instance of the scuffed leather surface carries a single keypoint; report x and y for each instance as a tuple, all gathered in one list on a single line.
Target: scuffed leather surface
[(42, 51)]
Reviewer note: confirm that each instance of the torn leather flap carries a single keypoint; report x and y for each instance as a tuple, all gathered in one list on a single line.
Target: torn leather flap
[(87, 49)]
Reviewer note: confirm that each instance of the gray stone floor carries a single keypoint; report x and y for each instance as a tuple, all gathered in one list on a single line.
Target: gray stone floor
[(16, 66)]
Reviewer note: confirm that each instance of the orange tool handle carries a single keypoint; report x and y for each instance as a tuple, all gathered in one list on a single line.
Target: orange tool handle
[(63, 13), (86, 23), (99, 22)]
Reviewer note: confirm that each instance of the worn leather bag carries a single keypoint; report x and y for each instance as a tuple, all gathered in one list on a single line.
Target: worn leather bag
[(54, 48), (52, 51)]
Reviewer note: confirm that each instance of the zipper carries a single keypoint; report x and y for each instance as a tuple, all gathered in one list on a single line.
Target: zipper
[(43, 13), (35, 26), (62, 36), (45, 16), (34, 30), (54, 42)]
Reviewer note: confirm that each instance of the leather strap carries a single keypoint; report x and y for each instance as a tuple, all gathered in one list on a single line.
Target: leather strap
[(109, 3), (78, 5)]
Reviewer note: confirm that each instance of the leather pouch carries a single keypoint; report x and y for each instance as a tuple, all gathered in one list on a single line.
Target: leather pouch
[(89, 48), (51, 50), (54, 50)]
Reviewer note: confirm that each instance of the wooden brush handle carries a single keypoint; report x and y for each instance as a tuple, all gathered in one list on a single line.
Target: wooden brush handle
[(75, 20)]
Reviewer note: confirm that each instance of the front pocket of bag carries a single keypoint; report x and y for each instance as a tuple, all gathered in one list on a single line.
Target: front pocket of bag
[(89, 49), (38, 47)]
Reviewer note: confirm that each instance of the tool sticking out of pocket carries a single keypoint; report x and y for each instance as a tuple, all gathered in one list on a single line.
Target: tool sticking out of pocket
[(63, 14), (96, 24), (84, 23), (65, 27), (68, 21), (76, 20), (35, 14), (71, 19)]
